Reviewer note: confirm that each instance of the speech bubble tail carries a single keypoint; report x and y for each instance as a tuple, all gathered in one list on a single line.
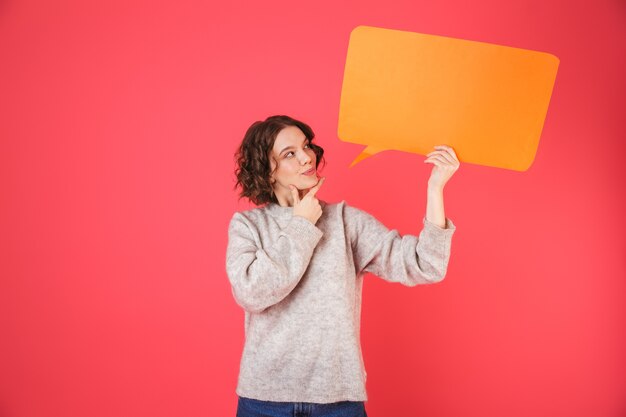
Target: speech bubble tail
[(365, 153)]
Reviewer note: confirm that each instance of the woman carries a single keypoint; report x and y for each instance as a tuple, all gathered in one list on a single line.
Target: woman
[(296, 267)]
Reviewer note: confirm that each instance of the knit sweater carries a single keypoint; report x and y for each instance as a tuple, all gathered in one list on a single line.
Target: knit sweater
[(300, 287)]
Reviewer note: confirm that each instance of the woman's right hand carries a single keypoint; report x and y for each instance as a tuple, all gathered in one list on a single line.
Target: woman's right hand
[(309, 207)]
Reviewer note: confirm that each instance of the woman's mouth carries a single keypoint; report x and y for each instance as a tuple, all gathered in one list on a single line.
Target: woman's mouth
[(309, 172)]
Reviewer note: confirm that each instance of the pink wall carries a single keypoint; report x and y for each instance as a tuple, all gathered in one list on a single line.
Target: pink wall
[(118, 121)]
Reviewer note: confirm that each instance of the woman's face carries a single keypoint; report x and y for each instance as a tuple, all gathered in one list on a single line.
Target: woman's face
[(294, 161)]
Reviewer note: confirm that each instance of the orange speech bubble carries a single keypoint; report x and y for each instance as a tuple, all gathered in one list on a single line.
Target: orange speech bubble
[(410, 91)]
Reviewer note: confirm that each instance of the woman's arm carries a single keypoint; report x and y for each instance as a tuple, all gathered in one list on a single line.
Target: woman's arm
[(263, 276), (446, 163), (434, 207), (409, 259)]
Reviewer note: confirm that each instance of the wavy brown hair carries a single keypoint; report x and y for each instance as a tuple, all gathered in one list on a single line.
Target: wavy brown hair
[(253, 169)]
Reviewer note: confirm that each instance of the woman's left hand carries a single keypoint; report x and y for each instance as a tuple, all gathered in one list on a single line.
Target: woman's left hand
[(446, 163)]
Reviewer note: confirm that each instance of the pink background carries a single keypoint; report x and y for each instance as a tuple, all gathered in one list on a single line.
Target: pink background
[(118, 122)]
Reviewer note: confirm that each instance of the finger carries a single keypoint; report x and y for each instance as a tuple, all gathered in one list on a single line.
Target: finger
[(294, 194), (445, 155), (434, 162), (445, 165), (444, 162), (449, 155), (449, 149), (316, 187)]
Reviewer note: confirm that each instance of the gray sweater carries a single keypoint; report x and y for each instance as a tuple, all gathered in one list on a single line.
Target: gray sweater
[(300, 287)]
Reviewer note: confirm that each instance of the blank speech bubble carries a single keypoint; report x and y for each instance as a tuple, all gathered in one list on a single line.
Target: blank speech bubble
[(409, 91)]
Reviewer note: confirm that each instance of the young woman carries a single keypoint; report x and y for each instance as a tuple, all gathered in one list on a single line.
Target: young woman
[(296, 267)]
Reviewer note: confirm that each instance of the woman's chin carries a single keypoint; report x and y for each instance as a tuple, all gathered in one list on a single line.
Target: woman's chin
[(308, 183)]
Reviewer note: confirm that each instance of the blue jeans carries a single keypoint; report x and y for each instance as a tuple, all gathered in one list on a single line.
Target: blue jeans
[(249, 407)]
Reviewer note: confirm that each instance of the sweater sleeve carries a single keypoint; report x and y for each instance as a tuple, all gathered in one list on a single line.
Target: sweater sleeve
[(261, 276), (408, 259)]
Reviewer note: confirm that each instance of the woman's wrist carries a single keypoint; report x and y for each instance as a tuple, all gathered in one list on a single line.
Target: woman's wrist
[(434, 189), (434, 206)]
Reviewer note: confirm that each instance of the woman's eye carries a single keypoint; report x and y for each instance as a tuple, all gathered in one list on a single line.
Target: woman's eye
[(289, 154)]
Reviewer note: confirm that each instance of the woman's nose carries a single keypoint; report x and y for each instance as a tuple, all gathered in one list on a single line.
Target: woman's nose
[(305, 158)]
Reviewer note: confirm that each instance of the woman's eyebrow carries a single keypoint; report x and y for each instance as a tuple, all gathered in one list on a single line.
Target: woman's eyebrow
[(289, 147)]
